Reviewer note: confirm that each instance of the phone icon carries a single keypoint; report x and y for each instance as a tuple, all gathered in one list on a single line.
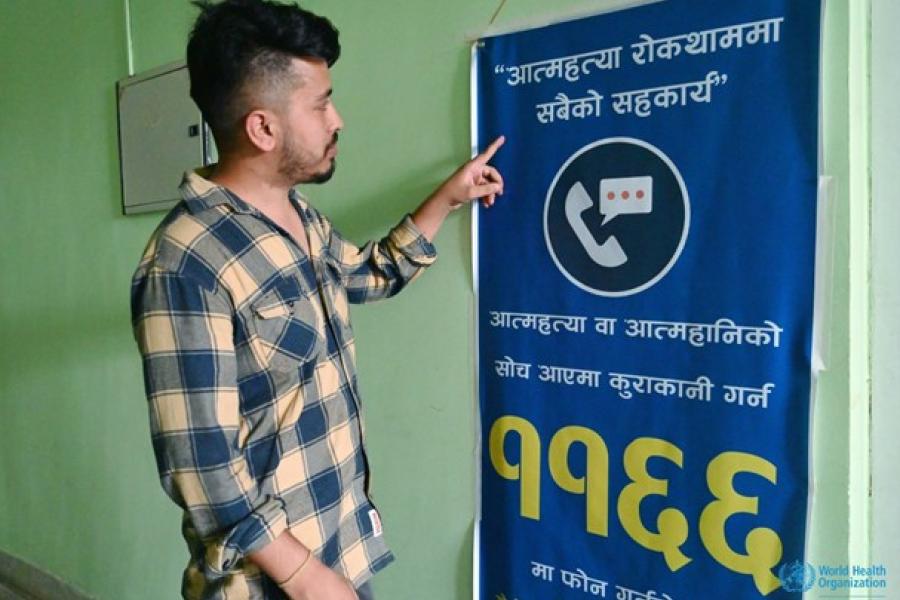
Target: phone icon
[(616, 178), (609, 254)]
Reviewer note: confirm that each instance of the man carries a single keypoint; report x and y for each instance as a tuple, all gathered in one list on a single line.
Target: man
[(239, 307)]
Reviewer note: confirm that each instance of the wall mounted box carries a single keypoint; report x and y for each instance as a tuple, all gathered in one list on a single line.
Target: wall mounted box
[(161, 135)]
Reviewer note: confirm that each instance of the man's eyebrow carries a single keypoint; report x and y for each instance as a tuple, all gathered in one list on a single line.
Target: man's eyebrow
[(326, 94)]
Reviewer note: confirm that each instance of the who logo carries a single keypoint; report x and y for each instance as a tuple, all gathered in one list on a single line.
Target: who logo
[(797, 576)]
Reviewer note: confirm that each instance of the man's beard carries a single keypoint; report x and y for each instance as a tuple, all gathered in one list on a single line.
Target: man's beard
[(293, 161), (324, 175)]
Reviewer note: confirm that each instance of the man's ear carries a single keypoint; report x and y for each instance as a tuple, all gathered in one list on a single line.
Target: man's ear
[(262, 130)]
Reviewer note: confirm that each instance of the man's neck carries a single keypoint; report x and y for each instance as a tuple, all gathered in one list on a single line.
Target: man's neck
[(253, 186)]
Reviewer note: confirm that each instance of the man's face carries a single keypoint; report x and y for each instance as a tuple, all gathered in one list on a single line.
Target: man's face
[(311, 125)]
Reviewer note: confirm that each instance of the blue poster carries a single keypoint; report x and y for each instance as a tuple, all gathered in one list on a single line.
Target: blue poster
[(645, 303)]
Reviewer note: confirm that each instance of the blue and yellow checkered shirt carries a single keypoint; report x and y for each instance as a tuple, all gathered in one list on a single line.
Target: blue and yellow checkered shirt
[(250, 374)]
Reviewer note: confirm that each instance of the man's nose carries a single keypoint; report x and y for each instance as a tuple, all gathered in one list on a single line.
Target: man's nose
[(337, 123)]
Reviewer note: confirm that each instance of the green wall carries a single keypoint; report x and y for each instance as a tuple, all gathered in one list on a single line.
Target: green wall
[(78, 488), (829, 535), (885, 287)]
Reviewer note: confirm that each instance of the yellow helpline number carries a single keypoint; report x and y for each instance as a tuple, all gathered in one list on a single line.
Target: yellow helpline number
[(762, 547)]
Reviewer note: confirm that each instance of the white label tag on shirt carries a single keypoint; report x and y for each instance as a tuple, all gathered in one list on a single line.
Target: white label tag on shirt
[(376, 523)]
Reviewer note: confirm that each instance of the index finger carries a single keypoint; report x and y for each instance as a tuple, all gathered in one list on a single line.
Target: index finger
[(491, 150)]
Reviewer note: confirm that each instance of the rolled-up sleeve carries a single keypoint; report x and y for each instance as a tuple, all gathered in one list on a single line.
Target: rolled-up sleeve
[(380, 269), (185, 334)]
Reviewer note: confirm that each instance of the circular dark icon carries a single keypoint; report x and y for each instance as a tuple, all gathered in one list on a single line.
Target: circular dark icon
[(616, 216)]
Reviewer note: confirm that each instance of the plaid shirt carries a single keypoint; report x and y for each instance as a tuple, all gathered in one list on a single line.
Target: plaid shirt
[(250, 374)]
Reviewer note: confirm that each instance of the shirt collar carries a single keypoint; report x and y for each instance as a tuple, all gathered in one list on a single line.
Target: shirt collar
[(200, 193)]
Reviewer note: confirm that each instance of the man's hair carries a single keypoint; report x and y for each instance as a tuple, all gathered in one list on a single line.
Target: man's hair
[(239, 49)]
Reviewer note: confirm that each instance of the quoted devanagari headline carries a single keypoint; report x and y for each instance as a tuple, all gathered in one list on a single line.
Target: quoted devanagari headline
[(647, 50)]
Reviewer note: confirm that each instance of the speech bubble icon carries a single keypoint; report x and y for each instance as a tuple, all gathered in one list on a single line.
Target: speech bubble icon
[(625, 196)]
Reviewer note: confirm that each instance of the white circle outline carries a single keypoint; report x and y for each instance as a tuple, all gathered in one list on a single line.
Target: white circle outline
[(684, 231)]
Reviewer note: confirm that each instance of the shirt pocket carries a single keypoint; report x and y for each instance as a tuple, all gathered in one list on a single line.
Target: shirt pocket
[(285, 326)]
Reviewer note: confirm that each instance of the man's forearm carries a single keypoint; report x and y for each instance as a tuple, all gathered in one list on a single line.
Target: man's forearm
[(299, 574), (280, 558), (431, 214), (475, 179)]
